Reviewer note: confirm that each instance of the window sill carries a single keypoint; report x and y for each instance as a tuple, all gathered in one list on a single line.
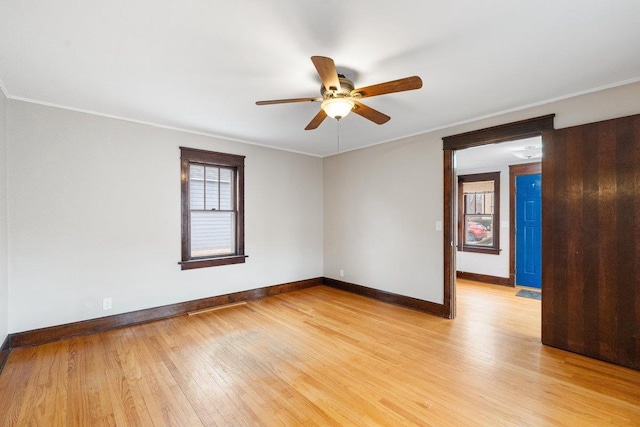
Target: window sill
[(212, 262), (489, 251)]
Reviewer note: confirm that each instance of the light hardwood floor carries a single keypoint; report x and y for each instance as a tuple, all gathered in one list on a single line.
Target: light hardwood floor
[(321, 357)]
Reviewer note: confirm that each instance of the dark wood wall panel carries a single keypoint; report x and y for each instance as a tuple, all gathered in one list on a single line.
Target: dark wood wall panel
[(591, 240)]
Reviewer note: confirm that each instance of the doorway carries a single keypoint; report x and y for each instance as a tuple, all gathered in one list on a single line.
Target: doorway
[(488, 215), (528, 230), (540, 126), (533, 252)]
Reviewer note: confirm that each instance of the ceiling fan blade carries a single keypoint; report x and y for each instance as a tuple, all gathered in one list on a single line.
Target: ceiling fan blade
[(315, 122), (408, 83), (327, 70), (369, 113), (286, 101)]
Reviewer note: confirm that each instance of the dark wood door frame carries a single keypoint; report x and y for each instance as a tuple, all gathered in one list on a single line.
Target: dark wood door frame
[(539, 126), (514, 172)]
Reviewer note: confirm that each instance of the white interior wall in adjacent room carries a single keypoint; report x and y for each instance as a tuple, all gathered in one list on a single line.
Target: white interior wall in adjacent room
[(381, 202), (490, 264), (4, 278), (94, 212)]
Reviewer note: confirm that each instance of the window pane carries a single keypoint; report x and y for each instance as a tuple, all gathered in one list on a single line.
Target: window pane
[(470, 203), (212, 233), (226, 189), (488, 203), (478, 212), (478, 196), (196, 186), (478, 230), (212, 188), (479, 208)]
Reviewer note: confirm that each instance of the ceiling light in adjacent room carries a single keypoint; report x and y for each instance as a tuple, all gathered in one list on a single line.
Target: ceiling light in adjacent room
[(528, 152)]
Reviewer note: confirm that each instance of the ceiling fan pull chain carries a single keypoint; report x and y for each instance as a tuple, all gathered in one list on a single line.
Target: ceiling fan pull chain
[(338, 136)]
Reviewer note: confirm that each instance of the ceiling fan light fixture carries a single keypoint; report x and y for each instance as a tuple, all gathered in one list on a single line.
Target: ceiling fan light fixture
[(337, 108), (339, 96)]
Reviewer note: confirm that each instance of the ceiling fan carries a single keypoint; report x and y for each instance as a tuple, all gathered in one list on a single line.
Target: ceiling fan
[(339, 96)]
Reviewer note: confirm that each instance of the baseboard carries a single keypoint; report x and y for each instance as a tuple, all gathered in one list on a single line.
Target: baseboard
[(86, 327), (5, 350), (484, 278), (389, 297), (102, 324)]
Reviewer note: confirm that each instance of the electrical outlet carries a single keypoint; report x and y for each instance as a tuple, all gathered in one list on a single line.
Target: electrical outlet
[(341, 273), (106, 304)]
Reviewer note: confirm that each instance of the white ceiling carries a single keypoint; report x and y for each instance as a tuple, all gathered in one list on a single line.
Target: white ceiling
[(501, 154), (200, 65)]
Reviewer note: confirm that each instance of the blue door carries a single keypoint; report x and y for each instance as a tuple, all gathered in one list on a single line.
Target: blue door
[(528, 230)]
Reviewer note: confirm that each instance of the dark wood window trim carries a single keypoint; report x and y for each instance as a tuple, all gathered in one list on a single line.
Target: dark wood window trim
[(192, 155), (515, 171), (509, 132), (494, 249)]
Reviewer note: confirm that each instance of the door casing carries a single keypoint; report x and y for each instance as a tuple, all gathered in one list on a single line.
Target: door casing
[(539, 126)]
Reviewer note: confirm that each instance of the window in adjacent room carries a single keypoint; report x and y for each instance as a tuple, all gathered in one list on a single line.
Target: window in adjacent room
[(478, 212), (212, 208)]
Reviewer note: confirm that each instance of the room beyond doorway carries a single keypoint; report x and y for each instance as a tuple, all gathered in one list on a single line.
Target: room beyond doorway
[(496, 214), (538, 126)]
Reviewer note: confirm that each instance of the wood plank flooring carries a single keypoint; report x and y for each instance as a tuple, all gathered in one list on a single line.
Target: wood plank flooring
[(321, 356)]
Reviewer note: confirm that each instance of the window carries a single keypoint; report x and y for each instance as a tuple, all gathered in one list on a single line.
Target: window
[(212, 208), (479, 213)]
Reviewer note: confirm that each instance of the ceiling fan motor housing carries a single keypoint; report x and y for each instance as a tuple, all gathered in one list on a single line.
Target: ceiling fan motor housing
[(346, 86)]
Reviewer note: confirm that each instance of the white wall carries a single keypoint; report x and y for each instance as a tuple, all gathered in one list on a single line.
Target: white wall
[(489, 264), (380, 209), (94, 212), (4, 278), (381, 202)]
